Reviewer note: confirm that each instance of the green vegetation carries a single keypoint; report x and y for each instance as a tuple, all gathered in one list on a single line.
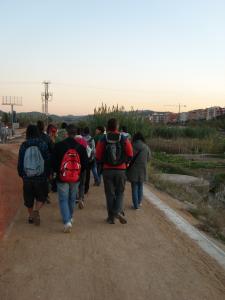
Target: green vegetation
[(169, 139), (133, 120), (214, 145), (177, 160), (176, 132)]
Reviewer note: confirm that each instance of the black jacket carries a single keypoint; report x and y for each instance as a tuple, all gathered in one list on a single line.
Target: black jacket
[(45, 138), (62, 147), (44, 152)]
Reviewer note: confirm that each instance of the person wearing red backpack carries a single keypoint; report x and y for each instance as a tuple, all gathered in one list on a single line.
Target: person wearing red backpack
[(114, 151), (69, 161)]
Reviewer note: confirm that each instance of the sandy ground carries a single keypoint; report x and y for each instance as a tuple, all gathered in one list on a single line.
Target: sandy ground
[(10, 186), (145, 259)]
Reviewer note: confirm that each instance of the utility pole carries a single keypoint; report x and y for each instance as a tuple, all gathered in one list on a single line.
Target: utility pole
[(46, 97), (179, 109)]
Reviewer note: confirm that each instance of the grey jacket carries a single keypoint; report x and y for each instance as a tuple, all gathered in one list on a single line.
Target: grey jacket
[(138, 172)]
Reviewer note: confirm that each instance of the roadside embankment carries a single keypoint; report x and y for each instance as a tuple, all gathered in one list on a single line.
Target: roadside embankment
[(10, 186)]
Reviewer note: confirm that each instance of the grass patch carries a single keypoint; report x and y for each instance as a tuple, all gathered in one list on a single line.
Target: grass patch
[(168, 163), (214, 144)]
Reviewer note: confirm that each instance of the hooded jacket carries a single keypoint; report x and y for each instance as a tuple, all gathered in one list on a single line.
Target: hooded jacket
[(43, 148), (138, 172)]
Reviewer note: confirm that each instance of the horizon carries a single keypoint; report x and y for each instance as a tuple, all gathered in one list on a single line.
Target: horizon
[(141, 54), (140, 110)]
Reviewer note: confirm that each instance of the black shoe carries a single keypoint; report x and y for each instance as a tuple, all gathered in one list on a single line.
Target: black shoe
[(30, 220), (36, 217), (121, 218), (110, 220)]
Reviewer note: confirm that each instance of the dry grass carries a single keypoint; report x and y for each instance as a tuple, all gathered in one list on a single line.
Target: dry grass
[(212, 220), (211, 217)]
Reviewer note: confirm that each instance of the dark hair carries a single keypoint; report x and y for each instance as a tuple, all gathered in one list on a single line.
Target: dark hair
[(50, 127), (101, 128), (86, 131), (32, 132), (71, 130), (124, 128), (112, 124), (40, 126), (138, 136), (63, 125), (79, 131)]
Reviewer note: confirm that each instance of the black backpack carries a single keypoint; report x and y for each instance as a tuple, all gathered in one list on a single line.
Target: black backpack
[(114, 149)]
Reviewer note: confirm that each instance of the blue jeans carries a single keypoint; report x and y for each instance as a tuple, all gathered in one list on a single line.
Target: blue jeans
[(137, 193), (99, 170), (95, 172), (67, 193)]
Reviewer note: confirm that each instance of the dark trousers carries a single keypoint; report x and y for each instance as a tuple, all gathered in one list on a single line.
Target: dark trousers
[(99, 170), (114, 184), (81, 189), (88, 177)]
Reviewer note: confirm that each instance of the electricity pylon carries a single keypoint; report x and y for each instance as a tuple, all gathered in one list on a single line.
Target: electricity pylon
[(46, 97)]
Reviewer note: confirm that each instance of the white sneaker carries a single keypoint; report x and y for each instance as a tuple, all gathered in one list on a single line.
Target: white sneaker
[(67, 227), (71, 220)]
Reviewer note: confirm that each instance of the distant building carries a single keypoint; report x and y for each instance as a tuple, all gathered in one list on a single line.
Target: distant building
[(213, 112), (183, 118), (197, 114), (159, 117), (172, 117)]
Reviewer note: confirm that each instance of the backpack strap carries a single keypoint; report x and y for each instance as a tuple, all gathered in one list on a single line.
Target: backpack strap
[(133, 159)]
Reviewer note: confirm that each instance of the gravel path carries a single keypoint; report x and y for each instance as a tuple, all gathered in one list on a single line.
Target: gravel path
[(145, 259)]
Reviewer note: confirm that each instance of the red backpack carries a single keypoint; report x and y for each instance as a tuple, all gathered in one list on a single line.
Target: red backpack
[(70, 168)]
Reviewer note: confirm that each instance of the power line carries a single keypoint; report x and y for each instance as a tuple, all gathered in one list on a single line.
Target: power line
[(82, 86)]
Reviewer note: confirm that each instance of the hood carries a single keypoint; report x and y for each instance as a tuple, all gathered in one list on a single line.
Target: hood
[(33, 142), (139, 145)]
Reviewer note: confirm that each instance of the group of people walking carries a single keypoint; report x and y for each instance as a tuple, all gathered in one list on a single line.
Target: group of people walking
[(66, 157)]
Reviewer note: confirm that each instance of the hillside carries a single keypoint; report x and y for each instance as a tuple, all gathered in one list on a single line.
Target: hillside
[(33, 116)]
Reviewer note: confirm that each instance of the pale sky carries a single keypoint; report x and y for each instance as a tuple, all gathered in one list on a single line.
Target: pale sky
[(145, 54)]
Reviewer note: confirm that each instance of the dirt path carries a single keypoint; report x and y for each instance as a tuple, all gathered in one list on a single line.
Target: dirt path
[(145, 259)]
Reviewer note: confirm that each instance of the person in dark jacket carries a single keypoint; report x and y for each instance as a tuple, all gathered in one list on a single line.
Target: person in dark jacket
[(43, 136), (34, 187), (114, 150), (137, 173), (92, 161), (67, 191), (62, 133)]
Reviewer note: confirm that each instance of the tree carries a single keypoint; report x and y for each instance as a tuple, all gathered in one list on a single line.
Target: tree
[(5, 118)]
